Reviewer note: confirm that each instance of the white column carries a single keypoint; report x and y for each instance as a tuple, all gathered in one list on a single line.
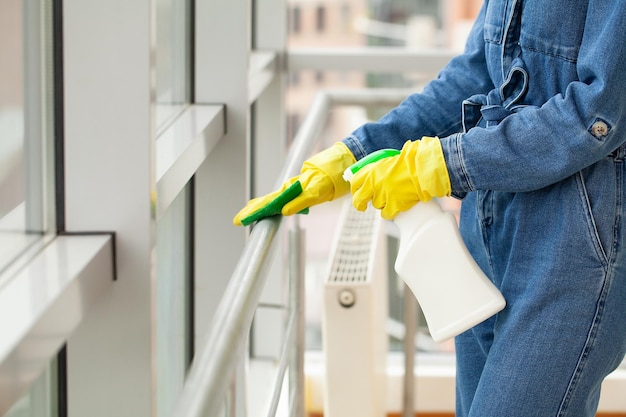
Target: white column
[(269, 151), (109, 147), (222, 46)]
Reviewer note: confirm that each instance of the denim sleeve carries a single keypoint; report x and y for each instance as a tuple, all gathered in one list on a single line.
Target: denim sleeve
[(436, 111), (561, 134)]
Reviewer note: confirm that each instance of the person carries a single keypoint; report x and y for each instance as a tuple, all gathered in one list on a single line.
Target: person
[(528, 127)]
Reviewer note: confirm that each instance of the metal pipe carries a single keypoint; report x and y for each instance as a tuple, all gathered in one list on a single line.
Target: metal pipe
[(305, 139), (297, 302), (370, 59), (210, 372), (283, 364), (346, 97), (410, 325)]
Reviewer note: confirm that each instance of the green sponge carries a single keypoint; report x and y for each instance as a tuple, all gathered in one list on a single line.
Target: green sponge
[(275, 206)]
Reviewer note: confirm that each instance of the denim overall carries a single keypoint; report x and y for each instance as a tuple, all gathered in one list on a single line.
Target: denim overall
[(532, 121)]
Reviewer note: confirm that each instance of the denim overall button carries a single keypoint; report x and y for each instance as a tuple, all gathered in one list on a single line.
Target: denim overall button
[(599, 129)]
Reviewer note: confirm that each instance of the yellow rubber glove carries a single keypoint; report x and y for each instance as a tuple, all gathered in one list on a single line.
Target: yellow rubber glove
[(397, 183), (321, 180)]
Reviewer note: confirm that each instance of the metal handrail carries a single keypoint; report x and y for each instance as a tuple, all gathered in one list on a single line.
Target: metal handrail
[(210, 374)]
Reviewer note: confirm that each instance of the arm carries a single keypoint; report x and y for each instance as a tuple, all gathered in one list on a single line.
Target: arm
[(542, 145), (434, 112)]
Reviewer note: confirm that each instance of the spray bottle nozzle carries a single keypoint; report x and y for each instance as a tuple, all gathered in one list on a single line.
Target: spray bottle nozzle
[(369, 159)]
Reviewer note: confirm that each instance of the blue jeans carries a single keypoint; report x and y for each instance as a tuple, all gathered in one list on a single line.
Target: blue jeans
[(564, 327)]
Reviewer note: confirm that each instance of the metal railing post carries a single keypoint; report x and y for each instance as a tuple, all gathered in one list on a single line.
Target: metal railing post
[(297, 303), (410, 324)]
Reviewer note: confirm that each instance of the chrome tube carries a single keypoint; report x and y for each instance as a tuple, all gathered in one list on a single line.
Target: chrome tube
[(305, 139), (297, 303), (388, 96), (283, 364), (410, 325), (211, 370), (370, 59)]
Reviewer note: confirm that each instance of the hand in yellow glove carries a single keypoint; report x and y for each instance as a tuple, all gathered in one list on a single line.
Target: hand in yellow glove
[(321, 180), (397, 183)]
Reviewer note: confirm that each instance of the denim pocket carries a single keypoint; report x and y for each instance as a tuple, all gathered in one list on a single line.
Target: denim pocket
[(600, 190), (554, 30)]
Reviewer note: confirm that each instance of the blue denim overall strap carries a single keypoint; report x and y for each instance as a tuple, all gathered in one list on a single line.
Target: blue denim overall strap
[(486, 110)]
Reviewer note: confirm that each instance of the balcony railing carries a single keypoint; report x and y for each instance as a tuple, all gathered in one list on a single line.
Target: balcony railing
[(210, 385), (211, 374)]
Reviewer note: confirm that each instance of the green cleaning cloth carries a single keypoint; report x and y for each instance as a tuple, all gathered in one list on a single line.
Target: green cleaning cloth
[(275, 206)]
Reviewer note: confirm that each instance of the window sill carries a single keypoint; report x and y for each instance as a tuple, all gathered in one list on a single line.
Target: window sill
[(262, 71), (42, 303), (182, 147)]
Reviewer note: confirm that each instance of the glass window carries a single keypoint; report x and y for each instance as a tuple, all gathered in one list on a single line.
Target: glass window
[(42, 398), (295, 19), (26, 126), (174, 300), (174, 27), (320, 18)]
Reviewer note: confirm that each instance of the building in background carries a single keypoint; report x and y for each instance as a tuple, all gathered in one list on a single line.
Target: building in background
[(361, 23)]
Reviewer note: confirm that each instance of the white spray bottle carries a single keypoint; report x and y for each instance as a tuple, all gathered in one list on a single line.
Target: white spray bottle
[(451, 289)]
